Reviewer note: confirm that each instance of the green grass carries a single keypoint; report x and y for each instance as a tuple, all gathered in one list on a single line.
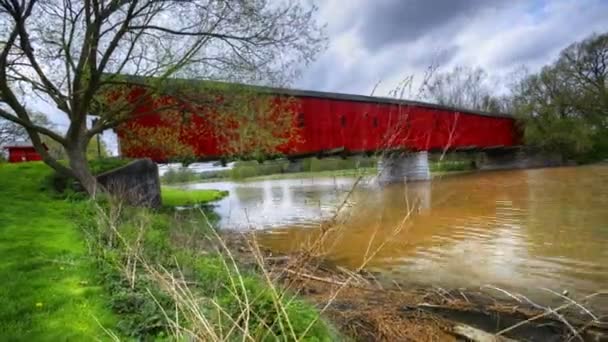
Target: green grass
[(176, 197), (450, 166), (102, 165), (214, 274), (48, 287)]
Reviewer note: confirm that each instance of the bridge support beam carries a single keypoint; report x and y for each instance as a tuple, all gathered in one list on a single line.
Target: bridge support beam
[(404, 168), (516, 159)]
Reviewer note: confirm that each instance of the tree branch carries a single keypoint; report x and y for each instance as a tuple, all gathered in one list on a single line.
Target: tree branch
[(30, 125), (248, 39), (28, 50)]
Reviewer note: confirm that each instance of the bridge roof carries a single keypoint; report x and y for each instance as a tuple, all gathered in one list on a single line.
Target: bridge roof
[(172, 83)]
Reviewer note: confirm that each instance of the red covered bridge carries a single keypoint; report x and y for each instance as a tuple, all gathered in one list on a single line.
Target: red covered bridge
[(330, 123)]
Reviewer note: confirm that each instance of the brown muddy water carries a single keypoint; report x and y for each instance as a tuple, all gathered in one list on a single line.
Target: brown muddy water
[(518, 230)]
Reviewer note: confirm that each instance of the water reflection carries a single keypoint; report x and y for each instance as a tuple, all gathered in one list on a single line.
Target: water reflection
[(277, 203), (517, 229)]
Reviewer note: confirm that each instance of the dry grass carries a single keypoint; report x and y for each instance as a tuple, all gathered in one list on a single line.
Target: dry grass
[(234, 305)]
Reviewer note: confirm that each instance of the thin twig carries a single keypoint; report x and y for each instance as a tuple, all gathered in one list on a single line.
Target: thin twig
[(573, 302), (310, 276), (547, 313)]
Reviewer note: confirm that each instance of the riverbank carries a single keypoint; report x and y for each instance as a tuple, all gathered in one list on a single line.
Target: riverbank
[(79, 270), (171, 275), (304, 168), (272, 169), (366, 306), (315, 174)]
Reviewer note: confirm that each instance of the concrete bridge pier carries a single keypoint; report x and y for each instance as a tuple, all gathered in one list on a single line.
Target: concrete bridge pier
[(409, 167)]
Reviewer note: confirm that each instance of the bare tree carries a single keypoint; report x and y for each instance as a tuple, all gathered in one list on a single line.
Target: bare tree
[(69, 52), (463, 87)]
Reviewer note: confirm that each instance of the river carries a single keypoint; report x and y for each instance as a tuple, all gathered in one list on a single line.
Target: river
[(521, 230)]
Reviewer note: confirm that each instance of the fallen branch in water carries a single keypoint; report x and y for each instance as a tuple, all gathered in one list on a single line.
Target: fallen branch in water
[(478, 335)]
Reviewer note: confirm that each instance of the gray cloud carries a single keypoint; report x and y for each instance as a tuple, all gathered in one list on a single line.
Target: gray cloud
[(401, 21), (540, 44)]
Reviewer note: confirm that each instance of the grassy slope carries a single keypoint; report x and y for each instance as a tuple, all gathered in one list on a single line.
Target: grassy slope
[(48, 288), (178, 197)]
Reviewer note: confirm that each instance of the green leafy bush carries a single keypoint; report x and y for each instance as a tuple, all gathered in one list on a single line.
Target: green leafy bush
[(252, 168), (246, 171), (99, 166), (181, 175), (332, 164), (451, 165)]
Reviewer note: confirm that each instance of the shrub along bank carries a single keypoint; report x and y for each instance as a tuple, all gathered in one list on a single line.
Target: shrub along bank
[(249, 169), (168, 276)]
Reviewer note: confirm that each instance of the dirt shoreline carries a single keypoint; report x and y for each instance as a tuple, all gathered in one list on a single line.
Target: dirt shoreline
[(366, 308)]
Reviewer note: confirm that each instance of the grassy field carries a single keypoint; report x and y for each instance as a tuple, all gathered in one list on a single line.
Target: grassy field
[(48, 290)]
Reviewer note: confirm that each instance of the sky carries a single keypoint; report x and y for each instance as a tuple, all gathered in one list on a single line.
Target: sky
[(386, 41), (378, 43)]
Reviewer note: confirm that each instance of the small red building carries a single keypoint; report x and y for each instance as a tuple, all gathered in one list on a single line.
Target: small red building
[(22, 152)]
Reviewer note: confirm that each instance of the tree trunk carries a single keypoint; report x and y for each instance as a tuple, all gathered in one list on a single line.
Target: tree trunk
[(80, 167)]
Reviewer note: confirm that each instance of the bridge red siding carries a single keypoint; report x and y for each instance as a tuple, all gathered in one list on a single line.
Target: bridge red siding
[(355, 126)]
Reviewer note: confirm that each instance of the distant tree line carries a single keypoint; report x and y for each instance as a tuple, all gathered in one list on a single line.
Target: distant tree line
[(467, 88), (562, 108)]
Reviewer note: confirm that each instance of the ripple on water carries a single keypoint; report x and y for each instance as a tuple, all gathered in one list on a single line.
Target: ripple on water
[(521, 229)]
